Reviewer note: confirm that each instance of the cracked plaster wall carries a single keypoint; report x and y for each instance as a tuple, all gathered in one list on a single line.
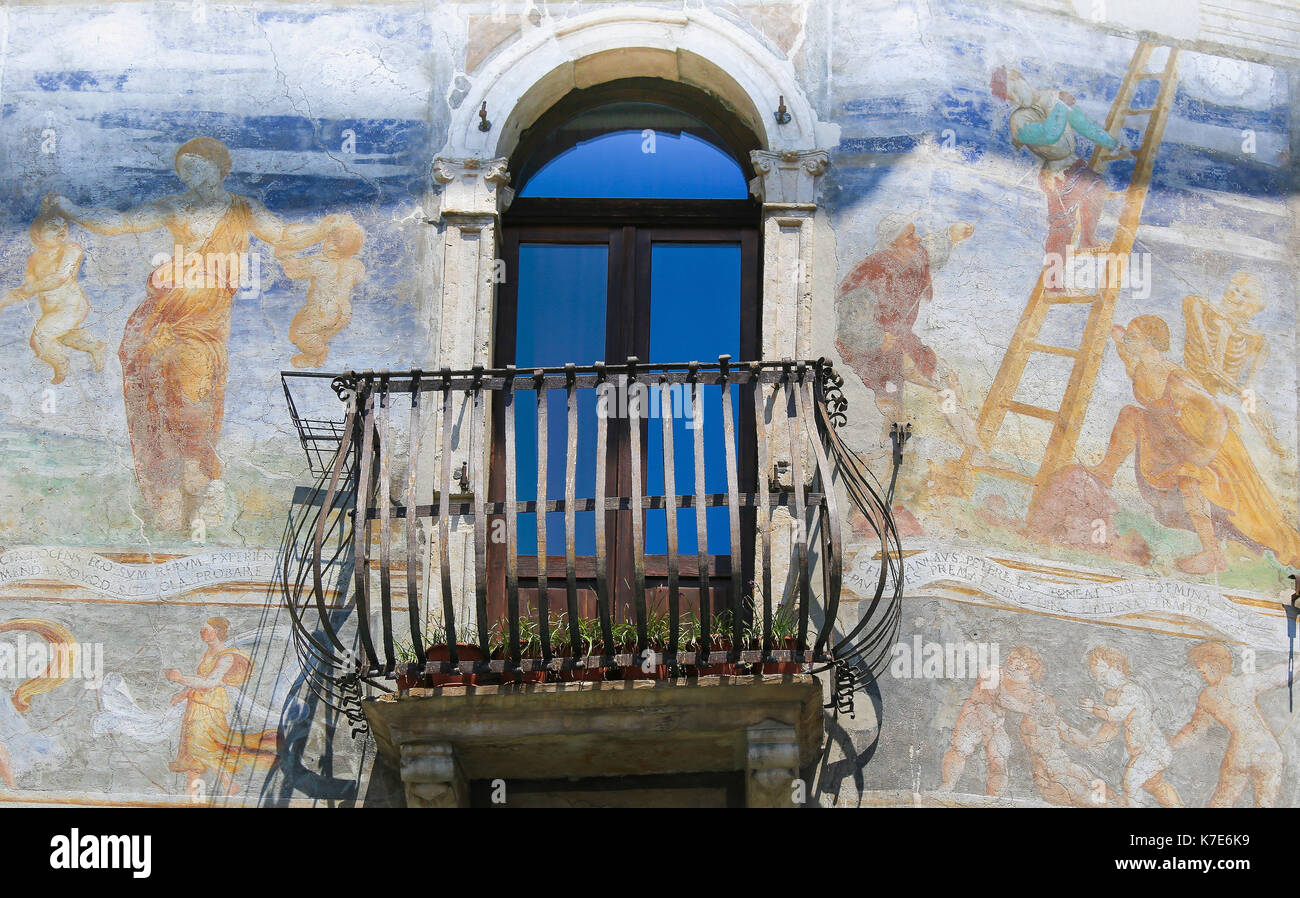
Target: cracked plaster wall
[(331, 109)]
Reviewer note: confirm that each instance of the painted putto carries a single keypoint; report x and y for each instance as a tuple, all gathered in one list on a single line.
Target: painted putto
[(174, 352)]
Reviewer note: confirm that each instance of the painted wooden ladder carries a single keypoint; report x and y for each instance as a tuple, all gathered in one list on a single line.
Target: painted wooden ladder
[(1067, 420)]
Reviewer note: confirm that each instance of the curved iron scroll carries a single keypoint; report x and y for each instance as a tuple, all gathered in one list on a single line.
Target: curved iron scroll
[(799, 407), (869, 642)]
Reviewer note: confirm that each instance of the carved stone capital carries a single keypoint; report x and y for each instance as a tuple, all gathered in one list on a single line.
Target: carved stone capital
[(473, 186), (432, 776), (787, 177), (772, 765)]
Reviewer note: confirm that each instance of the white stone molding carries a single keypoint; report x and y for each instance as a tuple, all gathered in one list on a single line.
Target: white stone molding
[(432, 776), (523, 81), (472, 186), (693, 46), (787, 177)]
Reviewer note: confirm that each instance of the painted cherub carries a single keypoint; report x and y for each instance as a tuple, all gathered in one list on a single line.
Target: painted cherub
[(981, 723), (332, 274), (52, 270), (1058, 778), (1253, 756), (1130, 708)]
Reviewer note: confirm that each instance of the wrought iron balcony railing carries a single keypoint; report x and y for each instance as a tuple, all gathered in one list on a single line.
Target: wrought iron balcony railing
[(360, 532)]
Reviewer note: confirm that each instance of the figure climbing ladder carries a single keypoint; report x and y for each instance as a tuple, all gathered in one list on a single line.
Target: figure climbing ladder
[(1068, 418)]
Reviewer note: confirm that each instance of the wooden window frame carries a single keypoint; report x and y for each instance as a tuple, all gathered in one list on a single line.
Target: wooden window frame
[(629, 228)]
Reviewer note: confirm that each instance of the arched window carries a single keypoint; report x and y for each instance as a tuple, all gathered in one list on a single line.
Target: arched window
[(631, 235), (633, 150)]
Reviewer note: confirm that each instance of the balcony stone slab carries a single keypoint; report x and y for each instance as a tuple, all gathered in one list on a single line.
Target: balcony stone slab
[(766, 727)]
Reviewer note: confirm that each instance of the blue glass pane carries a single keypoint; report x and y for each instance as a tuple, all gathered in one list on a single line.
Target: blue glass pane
[(641, 164), (561, 318), (694, 315)]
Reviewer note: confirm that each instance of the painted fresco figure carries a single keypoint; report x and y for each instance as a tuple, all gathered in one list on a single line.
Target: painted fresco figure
[(1047, 122), (332, 274), (52, 271), (1253, 757), (1189, 461), (1058, 778), (1129, 706), (877, 308), (1224, 352), (208, 744), (21, 746), (981, 723), (174, 350)]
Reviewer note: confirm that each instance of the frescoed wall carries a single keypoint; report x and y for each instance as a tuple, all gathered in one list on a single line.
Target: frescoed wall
[(190, 211), (950, 296), (1096, 353), (197, 198), (1097, 356)]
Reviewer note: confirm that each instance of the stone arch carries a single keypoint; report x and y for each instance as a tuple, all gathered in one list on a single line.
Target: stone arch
[(694, 47), (526, 79)]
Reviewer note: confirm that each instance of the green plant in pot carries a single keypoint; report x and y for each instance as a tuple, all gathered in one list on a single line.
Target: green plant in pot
[(719, 647), (406, 654), (624, 633), (562, 647), (561, 640), (530, 647), (688, 639), (785, 636), (439, 650), (592, 644), (625, 637), (658, 626)]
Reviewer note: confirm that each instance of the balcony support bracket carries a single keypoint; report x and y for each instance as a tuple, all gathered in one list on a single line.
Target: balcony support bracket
[(772, 766), (763, 728), (432, 776)]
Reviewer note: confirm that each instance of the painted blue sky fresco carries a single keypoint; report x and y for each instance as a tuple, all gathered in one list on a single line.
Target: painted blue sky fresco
[(328, 109), (127, 84), (1202, 178), (948, 88), (124, 86), (1212, 210)]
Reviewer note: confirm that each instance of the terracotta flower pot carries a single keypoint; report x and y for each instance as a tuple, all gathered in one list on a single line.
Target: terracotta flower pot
[(466, 652), (408, 681), (635, 672), (576, 674), (583, 675), (508, 676), (788, 644), (718, 669), (718, 664)]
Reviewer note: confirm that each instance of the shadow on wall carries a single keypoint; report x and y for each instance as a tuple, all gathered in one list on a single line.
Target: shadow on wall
[(849, 746), (321, 758)]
